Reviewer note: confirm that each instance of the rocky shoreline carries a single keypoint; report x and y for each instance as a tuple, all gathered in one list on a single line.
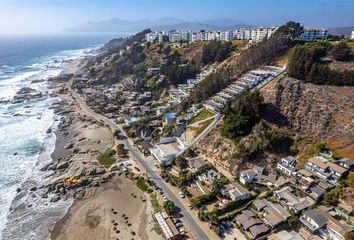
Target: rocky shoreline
[(75, 170)]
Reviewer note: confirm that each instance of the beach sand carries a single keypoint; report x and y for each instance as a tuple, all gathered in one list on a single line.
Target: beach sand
[(92, 218)]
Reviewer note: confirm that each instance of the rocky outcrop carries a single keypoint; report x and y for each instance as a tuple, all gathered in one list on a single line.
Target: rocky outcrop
[(26, 94), (313, 112)]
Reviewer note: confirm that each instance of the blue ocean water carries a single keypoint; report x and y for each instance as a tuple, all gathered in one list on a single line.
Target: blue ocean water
[(24, 144)]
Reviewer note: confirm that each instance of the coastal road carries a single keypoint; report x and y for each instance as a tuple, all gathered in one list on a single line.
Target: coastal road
[(144, 164)]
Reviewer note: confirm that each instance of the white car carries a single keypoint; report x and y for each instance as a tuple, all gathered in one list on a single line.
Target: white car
[(181, 194), (164, 198)]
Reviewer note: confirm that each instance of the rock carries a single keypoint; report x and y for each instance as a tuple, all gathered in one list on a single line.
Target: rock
[(33, 195), (18, 190), (62, 165), (79, 194), (44, 195), (114, 168), (76, 150), (55, 199), (62, 190), (15, 153), (32, 189), (49, 130), (52, 167), (69, 145), (100, 170)]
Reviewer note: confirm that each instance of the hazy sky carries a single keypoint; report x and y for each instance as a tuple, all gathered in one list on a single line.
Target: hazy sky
[(23, 16)]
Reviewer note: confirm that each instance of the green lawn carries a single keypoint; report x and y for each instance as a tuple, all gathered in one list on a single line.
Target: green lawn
[(142, 184), (107, 158), (205, 113)]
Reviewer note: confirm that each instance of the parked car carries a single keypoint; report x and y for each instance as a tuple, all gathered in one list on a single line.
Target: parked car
[(181, 194)]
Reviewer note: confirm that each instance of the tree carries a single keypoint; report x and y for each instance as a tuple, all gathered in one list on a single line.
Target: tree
[(116, 133), (169, 207), (349, 235), (350, 180), (332, 197), (291, 30), (242, 115), (181, 162), (189, 152), (121, 149), (340, 51), (218, 183), (293, 220)]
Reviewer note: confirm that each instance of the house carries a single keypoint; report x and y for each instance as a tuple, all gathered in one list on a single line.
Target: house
[(320, 222), (313, 220), (210, 175), (259, 204), (167, 149), (318, 166), (169, 119), (196, 163), (316, 192), (266, 179), (274, 214), (346, 163), (285, 235), (287, 165), (247, 176), (281, 181), (258, 230), (251, 222), (244, 216), (178, 130), (291, 201), (145, 146), (235, 191), (337, 170), (345, 211)]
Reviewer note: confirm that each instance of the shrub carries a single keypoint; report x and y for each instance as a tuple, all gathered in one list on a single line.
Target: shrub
[(142, 184), (340, 51), (169, 207)]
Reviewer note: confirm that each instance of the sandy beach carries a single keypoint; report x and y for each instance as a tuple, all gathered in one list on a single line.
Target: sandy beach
[(111, 206), (117, 211)]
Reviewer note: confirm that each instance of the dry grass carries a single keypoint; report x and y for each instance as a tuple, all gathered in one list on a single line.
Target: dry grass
[(343, 146)]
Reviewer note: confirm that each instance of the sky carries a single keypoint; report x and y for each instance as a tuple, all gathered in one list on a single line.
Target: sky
[(52, 16)]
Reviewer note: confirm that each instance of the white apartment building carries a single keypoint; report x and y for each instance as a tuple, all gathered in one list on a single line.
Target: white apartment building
[(352, 36), (258, 34), (311, 34)]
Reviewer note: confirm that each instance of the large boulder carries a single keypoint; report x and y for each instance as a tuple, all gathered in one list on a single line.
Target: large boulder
[(62, 165)]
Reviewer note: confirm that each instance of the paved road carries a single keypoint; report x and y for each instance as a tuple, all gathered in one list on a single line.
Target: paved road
[(146, 166)]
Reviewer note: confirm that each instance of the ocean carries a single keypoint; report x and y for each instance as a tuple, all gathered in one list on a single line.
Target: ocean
[(25, 145)]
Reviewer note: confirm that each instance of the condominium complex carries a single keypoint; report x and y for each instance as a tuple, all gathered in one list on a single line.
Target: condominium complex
[(352, 36), (255, 35), (252, 34), (311, 34)]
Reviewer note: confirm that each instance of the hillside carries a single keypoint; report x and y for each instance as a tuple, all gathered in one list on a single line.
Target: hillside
[(316, 113)]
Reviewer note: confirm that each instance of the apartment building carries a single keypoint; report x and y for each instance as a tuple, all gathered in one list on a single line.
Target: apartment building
[(311, 34)]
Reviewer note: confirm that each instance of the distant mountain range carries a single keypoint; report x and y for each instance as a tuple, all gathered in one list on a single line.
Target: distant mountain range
[(346, 31), (119, 26)]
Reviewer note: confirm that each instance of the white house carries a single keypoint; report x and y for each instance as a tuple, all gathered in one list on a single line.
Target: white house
[(235, 191), (287, 165), (167, 149)]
